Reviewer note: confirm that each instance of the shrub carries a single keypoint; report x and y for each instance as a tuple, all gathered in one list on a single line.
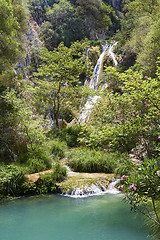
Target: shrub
[(58, 148), (39, 159), (124, 168), (70, 135), (36, 165), (11, 179), (47, 183), (86, 160), (59, 172)]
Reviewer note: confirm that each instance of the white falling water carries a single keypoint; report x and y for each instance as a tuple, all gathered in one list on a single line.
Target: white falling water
[(98, 68), (93, 190), (86, 110), (97, 188), (110, 52)]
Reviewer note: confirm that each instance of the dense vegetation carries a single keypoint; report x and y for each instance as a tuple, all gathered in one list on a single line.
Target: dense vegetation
[(42, 91)]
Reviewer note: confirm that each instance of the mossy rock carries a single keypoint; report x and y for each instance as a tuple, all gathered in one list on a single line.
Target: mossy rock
[(83, 180)]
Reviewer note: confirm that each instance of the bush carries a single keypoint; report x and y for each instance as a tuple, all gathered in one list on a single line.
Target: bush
[(36, 165), (86, 160), (125, 168), (70, 135), (59, 173), (58, 148), (11, 179), (47, 183), (39, 159)]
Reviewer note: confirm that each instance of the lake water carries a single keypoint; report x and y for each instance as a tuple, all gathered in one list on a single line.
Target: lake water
[(53, 217)]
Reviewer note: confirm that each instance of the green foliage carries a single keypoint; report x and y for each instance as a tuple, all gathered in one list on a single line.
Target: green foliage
[(70, 135), (39, 159), (47, 183), (86, 160), (69, 21), (58, 148), (97, 15), (62, 24), (59, 173), (122, 120), (143, 193), (11, 179), (139, 35), (41, 186), (58, 78), (12, 26)]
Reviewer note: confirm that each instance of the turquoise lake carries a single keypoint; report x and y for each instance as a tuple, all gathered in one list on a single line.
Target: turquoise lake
[(55, 217)]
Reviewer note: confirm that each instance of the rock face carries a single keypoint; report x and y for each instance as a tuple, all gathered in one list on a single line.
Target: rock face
[(32, 44)]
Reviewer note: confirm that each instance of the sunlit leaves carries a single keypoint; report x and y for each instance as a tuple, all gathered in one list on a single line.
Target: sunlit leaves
[(122, 120)]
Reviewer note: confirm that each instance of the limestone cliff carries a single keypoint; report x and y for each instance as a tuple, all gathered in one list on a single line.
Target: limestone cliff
[(32, 44)]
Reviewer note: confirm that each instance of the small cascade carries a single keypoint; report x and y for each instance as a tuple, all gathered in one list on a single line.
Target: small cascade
[(69, 171), (95, 189), (87, 191), (111, 188), (85, 112), (98, 69)]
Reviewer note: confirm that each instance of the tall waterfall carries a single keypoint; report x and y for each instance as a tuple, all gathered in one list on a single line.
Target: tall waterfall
[(98, 68), (85, 111), (110, 52)]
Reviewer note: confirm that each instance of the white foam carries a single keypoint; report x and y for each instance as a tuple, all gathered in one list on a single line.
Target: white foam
[(93, 190)]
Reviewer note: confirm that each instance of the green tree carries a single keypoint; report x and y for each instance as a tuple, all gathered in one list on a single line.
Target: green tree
[(12, 27), (58, 78), (63, 24), (139, 35), (123, 119), (97, 15)]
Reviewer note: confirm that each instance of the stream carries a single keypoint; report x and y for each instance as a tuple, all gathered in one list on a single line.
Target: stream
[(56, 217)]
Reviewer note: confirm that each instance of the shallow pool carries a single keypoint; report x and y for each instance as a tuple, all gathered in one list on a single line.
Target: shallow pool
[(55, 217)]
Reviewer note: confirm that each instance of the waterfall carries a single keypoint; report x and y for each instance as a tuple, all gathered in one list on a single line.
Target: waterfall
[(85, 111), (86, 81), (98, 187), (110, 52), (95, 189), (98, 69)]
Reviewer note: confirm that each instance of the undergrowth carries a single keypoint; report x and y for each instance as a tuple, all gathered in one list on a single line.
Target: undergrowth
[(86, 160)]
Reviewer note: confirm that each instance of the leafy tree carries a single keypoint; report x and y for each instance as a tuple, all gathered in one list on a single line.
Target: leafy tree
[(139, 37), (97, 15), (62, 24), (69, 21), (58, 78), (12, 26), (121, 120)]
